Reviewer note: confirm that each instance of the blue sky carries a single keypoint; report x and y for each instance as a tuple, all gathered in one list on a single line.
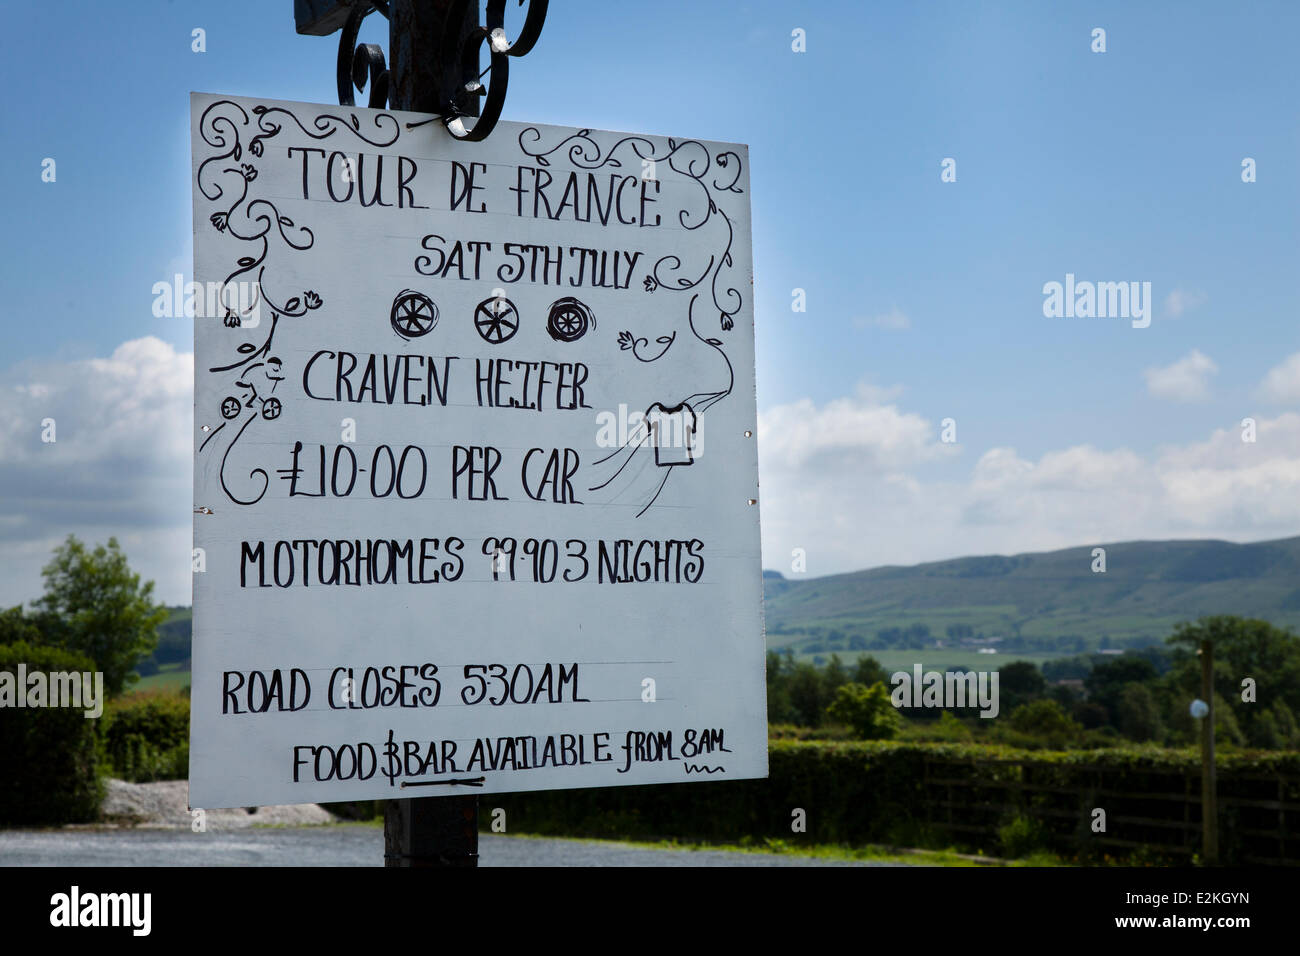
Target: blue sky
[(924, 298)]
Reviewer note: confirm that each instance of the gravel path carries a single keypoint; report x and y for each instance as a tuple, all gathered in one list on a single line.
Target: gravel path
[(335, 846)]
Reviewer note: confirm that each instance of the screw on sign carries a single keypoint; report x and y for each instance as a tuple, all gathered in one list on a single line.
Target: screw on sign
[(569, 320), (496, 319), (414, 314)]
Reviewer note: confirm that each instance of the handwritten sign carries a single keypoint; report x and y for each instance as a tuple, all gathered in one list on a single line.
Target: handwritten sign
[(475, 476)]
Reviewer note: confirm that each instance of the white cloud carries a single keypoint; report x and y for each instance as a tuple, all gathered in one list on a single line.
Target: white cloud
[(861, 432), (120, 463), (1187, 380), (876, 500), (1180, 300), (893, 319), (1282, 383)]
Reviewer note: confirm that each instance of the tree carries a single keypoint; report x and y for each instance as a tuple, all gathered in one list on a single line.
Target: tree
[(1138, 715), (1251, 645), (1046, 720), (807, 694), (17, 628), (779, 708), (868, 710), (1090, 715), (835, 674), (1276, 728), (1158, 656), (95, 604), (1066, 696), (1067, 668), (1109, 677), (1243, 648), (1019, 683), (869, 671)]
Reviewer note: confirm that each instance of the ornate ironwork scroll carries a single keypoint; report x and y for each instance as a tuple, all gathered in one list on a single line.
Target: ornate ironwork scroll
[(363, 65)]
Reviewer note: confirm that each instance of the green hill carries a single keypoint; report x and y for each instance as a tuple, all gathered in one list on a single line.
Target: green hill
[(1049, 603)]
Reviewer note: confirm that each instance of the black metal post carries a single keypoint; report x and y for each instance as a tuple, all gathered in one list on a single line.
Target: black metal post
[(429, 831), (423, 79), (1209, 795)]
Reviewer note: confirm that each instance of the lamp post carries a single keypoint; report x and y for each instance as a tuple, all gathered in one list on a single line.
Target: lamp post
[(1203, 710)]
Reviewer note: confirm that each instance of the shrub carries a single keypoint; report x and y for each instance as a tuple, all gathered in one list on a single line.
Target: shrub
[(868, 710), (799, 732), (947, 729), (1021, 837), (1045, 720), (139, 761), (50, 756), (147, 735)]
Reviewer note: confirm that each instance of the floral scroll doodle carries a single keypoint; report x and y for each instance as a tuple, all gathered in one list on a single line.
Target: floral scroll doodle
[(254, 372), (717, 177)]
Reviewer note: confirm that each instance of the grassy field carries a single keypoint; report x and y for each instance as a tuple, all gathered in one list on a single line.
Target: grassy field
[(939, 659), (169, 677)]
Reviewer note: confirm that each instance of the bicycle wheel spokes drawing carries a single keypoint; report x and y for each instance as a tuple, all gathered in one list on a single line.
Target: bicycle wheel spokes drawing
[(569, 320), (414, 314), (496, 319)]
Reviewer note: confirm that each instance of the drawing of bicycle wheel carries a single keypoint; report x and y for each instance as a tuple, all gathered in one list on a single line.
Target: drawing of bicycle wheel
[(271, 409), (229, 407), (569, 320), (414, 314), (496, 319)]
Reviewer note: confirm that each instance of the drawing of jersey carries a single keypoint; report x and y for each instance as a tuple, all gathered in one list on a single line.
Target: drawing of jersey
[(672, 432)]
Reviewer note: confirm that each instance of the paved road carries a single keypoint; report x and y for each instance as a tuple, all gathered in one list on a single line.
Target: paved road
[(336, 846)]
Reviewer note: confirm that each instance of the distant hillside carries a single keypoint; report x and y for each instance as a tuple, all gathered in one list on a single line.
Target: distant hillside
[(174, 639), (1050, 602)]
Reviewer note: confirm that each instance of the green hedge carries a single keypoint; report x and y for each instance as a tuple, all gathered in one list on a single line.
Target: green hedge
[(146, 737), (876, 792), (850, 792), (49, 753)]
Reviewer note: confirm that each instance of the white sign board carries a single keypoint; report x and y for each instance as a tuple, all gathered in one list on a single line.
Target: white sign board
[(475, 476)]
